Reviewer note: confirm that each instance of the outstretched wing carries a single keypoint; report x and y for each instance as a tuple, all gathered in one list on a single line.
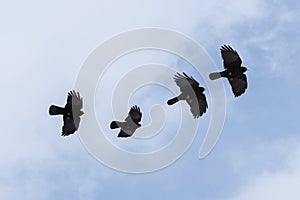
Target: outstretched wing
[(134, 114), (184, 81), (198, 104), (238, 85), (123, 134), (72, 117), (69, 126), (230, 57), (74, 100)]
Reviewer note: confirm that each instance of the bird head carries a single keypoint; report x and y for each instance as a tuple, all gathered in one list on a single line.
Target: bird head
[(244, 68), (202, 89), (81, 113)]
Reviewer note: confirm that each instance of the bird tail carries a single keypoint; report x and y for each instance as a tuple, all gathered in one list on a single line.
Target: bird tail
[(172, 101), (114, 124), (215, 75), (56, 110)]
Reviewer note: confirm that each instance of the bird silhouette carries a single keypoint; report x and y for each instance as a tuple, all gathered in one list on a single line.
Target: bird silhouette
[(191, 93), (71, 113), (234, 72), (131, 122)]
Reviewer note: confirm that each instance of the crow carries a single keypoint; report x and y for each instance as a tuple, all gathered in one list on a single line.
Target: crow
[(191, 93), (234, 72), (71, 113), (131, 122)]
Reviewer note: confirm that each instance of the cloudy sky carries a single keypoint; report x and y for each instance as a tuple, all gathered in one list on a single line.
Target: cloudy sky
[(43, 47)]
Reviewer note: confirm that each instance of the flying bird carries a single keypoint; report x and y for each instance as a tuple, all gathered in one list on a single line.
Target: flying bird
[(71, 113), (234, 72), (191, 93), (131, 122)]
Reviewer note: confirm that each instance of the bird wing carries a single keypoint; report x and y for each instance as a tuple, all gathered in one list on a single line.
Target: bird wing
[(124, 134), (74, 101), (184, 81), (238, 85), (70, 125), (230, 57), (198, 104), (134, 114)]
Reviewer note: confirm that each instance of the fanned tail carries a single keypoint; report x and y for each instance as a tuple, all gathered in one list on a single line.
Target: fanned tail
[(56, 110), (114, 125), (172, 101), (215, 75)]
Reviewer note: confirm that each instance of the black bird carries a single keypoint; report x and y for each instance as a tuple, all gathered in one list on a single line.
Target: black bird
[(234, 72), (131, 122), (71, 113), (191, 93)]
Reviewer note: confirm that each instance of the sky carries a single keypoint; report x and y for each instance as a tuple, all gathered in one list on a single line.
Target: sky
[(44, 45)]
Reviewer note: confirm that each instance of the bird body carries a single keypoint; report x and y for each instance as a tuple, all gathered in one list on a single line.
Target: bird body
[(229, 73), (191, 93), (234, 72), (71, 113), (131, 123)]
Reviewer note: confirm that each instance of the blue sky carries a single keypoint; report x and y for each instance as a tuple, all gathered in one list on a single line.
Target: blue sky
[(43, 46)]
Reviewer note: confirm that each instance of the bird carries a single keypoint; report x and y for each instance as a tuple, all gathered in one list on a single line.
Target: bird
[(191, 93), (234, 72), (71, 113), (131, 122)]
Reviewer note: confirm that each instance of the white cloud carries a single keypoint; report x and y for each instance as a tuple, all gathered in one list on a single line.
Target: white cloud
[(265, 33), (271, 170)]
